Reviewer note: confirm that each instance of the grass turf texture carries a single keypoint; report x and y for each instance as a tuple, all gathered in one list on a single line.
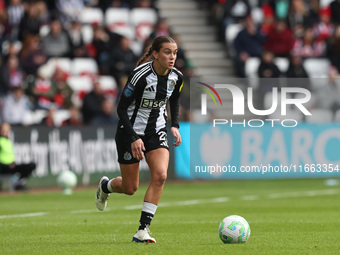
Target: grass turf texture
[(285, 216)]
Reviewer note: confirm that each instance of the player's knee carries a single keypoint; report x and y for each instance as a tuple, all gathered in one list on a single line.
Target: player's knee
[(131, 190), (160, 179)]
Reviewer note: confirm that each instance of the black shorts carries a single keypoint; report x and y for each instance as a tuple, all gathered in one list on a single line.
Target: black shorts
[(151, 142)]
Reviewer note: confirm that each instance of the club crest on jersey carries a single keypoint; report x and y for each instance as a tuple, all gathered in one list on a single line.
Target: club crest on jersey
[(127, 156), (171, 85), (128, 90)]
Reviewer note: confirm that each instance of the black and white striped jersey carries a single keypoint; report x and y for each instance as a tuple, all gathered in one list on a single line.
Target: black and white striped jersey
[(142, 106)]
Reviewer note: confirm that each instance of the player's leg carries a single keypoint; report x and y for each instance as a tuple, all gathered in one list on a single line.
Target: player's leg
[(158, 161), (127, 184)]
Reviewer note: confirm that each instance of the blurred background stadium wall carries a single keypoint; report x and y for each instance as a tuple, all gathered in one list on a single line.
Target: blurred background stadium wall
[(63, 65)]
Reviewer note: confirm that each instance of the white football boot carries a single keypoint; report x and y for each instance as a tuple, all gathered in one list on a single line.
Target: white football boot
[(101, 196), (143, 236)]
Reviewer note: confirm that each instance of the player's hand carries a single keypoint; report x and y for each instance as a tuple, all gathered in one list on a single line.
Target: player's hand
[(177, 135), (137, 148)]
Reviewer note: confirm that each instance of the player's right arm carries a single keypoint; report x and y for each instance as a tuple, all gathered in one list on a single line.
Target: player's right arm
[(129, 94)]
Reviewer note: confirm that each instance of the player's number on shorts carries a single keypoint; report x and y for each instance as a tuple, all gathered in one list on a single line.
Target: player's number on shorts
[(162, 138)]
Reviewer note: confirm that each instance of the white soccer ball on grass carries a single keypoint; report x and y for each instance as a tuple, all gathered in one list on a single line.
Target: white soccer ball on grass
[(67, 180), (234, 229)]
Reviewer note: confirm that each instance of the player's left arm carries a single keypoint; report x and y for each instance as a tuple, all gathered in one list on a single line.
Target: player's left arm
[(174, 110)]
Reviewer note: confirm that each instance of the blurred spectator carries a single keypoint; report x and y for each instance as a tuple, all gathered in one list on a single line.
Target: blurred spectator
[(105, 4), (5, 28), (308, 47), (103, 47), (42, 88), (48, 121), (30, 23), (161, 28), (15, 106), (78, 48), (44, 15), (143, 4), (267, 69), (335, 11), (15, 13), (123, 61), (268, 19), (75, 118), (297, 72), (108, 114), (92, 103), (235, 11), (31, 56), (328, 96), (13, 50), (296, 69), (56, 43), (300, 17), (69, 9), (7, 159), (280, 8), (280, 39), (324, 28), (248, 43), (50, 5), (63, 94), (11, 75), (333, 48)]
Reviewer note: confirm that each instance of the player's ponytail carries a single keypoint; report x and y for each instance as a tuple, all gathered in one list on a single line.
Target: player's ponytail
[(147, 56), (156, 46)]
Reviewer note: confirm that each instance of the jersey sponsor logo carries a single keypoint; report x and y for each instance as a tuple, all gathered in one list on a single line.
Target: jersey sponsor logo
[(128, 90), (127, 156), (153, 103)]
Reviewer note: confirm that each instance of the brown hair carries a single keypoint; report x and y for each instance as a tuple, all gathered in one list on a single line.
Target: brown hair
[(157, 44)]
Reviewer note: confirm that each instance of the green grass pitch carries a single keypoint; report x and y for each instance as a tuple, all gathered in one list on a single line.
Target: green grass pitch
[(285, 216)]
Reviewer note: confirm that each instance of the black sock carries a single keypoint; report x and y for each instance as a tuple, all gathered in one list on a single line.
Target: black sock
[(145, 220), (104, 186)]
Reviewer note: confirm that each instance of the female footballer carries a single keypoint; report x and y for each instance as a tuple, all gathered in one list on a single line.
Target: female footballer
[(141, 130)]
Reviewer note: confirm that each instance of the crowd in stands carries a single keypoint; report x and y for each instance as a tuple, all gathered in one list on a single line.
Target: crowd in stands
[(57, 60), (304, 35)]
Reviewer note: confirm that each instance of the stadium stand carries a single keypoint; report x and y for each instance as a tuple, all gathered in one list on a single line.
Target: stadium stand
[(187, 19), (91, 16)]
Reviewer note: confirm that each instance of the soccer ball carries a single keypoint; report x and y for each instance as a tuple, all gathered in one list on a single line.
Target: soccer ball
[(234, 229), (67, 180)]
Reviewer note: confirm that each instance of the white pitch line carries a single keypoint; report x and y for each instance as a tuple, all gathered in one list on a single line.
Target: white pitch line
[(311, 193), (251, 197), (183, 203), (25, 215)]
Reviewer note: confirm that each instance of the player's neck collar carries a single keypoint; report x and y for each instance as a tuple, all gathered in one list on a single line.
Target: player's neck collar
[(154, 71)]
